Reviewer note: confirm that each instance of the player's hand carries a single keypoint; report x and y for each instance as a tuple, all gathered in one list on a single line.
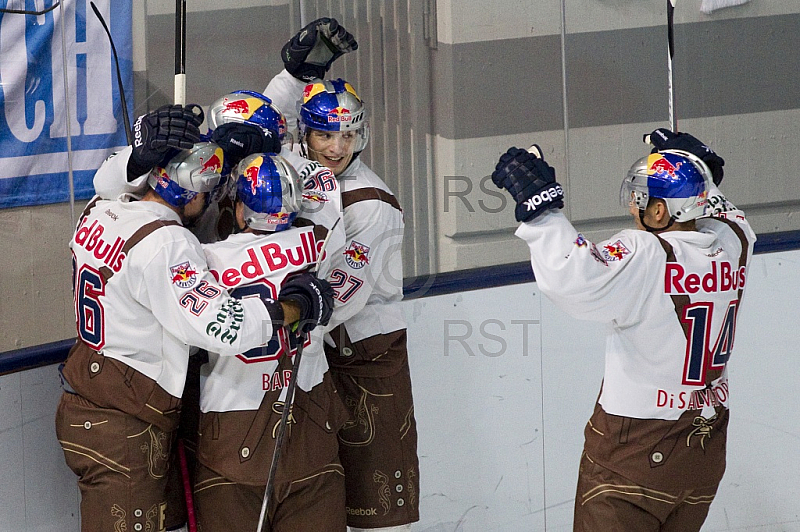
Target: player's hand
[(664, 139), (309, 54), (240, 140), (530, 181), (314, 297), (155, 133)]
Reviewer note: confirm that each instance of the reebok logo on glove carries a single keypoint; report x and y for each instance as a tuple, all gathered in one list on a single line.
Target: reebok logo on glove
[(137, 132), (551, 194)]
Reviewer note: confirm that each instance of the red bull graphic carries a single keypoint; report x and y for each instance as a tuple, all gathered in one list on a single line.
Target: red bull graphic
[(214, 163), (339, 114), (161, 177), (356, 255), (315, 196), (251, 175), (278, 217), (241, 107), (616, 251), (659, 165), (183, 275)]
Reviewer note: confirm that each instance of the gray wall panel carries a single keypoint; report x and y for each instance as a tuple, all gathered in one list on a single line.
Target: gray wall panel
[(737, 66), (225, 51), (500, 87)]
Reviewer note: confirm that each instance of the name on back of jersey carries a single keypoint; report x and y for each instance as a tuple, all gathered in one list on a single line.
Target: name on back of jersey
[(270, 257)]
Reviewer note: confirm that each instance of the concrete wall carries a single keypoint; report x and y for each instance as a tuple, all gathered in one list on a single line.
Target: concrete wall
[(451, 85)]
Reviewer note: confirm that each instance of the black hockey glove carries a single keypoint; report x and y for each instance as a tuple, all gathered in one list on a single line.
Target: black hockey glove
[(530, 181), (155, 133), (310, 53), (239, 140), (664, 139), (313, 295)]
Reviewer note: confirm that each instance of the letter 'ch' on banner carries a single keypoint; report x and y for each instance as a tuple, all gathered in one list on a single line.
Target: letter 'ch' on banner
[(34, 69)]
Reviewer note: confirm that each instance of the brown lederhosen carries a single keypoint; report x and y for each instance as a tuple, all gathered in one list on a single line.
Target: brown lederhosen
[(235, 451), (378, 445), (628, 461), (116, 427), (652, 474)]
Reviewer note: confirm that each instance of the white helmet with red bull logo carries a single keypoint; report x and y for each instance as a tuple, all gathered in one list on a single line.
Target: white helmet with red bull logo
[(247, 107), (679, 178), (270, 190), (189, 172), (333, 106)]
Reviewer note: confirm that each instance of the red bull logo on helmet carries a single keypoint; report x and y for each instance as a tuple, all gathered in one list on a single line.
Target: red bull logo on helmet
[(183, 275), (214, 163), (356, 255), (161, 177), (339, 114), (657, 164), (278, 217), (244, 107), (251, 174)]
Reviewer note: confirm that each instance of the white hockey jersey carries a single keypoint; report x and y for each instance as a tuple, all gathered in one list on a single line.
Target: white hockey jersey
[(670, 303), (249, 264), (368, 274), (143, 293)]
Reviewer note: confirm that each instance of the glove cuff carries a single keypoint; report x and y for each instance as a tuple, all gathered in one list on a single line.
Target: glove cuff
[(545, 198)]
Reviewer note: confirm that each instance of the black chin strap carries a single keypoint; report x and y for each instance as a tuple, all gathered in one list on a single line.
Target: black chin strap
[(653, 229)]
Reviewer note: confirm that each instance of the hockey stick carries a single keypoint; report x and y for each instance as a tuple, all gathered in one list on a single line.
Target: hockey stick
[(180, 52), (179, 97), (673, 123), (126, 121), (287, 404)]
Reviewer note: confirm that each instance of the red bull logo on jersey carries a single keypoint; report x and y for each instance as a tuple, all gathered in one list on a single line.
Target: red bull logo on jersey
[(659, 165), (339, 114), (720, 277), (356, 255), (293, 251), (616, 251), (315, 196), (183, 275)]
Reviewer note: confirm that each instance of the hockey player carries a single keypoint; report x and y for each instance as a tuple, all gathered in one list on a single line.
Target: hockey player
[(143, 294), (367, 348), (669, 292), (242, 398)]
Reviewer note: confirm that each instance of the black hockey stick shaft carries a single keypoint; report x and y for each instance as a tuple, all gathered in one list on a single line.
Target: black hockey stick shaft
[(180, 52), (287, 405), (126, 121), (673, 122)]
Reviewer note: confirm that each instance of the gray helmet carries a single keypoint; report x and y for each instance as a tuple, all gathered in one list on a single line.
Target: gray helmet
[(189, 172), (678, 177)]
